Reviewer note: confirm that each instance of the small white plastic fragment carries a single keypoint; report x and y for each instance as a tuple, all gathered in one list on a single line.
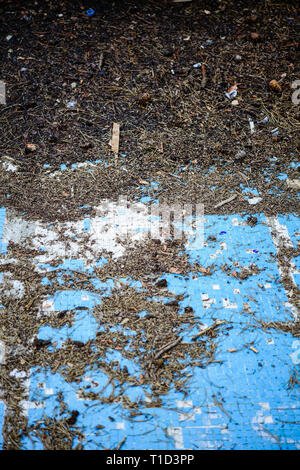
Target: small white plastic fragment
[(255, 200)]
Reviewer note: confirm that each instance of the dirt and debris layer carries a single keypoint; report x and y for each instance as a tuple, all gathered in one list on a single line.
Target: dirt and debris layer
[(159, 337), (156, 331), (70, 76)]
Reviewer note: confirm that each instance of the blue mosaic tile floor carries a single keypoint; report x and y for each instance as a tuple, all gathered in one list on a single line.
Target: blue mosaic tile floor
[(242, 402)]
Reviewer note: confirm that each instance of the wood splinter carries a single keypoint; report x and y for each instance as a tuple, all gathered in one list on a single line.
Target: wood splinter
[(115, 139)]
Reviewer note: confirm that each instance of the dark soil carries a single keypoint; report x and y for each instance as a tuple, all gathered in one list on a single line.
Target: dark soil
[(132, 63)]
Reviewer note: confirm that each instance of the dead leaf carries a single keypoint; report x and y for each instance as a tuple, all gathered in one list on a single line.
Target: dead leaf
[(144, 98), (30, 147), (142, 379), (274, 85), (204, 270), (175, 271)]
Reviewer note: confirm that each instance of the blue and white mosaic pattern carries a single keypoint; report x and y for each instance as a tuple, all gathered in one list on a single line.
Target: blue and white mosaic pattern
[(242, 401)]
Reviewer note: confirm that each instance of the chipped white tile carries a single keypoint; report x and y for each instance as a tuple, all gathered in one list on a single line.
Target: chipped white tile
[(114, 225), (247, 307), (120, 425), (228, 304), (269, 340), (259, 421), (268, 419), (225, 431), (206, 301), (31, 405), (264, 405), (292, 308), (186, 417), (48, 305), (184, 404), (79, 395), (2, 352), (176, 433), (87, 378), (19, 374), (197, 410), (295, 356), (235, 222), (14, 288)]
